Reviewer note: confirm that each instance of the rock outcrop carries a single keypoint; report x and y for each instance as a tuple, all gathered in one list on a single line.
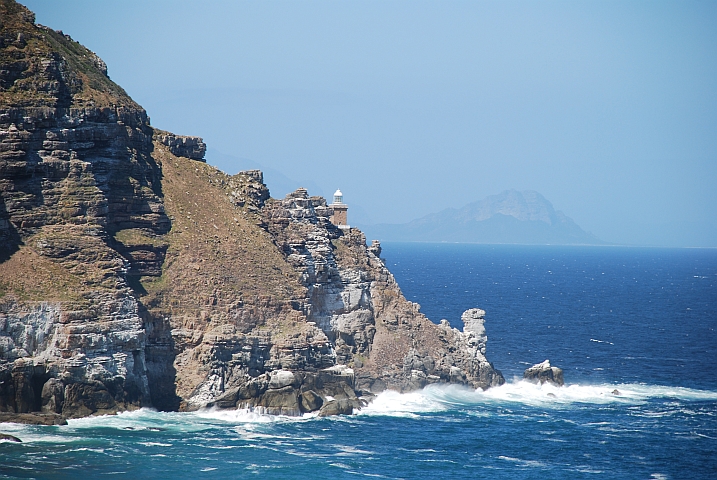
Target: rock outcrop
[(544, 372), (357, 303), (183, 146), (134, 274)]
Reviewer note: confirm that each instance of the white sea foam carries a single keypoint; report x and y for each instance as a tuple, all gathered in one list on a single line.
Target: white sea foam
[(437, 398), (403, 404), (246, 416), (432, 399), (521, 462), (238, 416)]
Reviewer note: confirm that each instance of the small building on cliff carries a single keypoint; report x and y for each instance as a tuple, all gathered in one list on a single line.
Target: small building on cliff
[(340, 216)]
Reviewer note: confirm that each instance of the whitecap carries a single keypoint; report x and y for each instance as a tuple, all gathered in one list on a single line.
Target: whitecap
[(87, 449), (394, 403), (521, 462), (247, 416), (440, 398), (349, 450)]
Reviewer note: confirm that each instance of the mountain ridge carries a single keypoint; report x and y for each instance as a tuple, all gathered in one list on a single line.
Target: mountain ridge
[(512, 217)]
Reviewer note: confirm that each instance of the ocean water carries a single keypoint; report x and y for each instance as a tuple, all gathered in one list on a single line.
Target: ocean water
[(642, 321)]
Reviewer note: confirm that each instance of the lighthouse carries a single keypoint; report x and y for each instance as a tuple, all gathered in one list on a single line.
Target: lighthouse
[(339, 218)]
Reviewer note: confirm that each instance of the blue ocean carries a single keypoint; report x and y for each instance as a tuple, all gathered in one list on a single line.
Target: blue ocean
[(642, 321)]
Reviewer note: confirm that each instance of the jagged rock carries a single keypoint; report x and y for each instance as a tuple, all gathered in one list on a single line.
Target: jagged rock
[(355, 300), (544, 372), (9, 438), (473, 325), (310, 401), (375, 248), (343, 406), (616, 392)]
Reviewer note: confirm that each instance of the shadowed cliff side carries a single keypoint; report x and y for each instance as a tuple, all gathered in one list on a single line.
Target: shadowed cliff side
[(75, 168)]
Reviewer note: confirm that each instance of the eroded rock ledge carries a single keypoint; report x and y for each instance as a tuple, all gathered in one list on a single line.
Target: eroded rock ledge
[(134, 274)]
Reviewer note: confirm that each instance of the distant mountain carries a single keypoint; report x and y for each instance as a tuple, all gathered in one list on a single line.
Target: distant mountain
[(509, 217)]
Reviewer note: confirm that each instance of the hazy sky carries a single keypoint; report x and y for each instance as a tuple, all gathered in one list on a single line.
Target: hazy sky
[(609, 109)]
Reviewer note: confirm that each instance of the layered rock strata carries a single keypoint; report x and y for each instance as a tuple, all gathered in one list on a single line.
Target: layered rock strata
[(134, 274), (357, 303), (75, 170)]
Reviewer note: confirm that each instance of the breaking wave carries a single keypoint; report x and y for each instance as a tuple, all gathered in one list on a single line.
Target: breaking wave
[(432, 399), (439, 398)]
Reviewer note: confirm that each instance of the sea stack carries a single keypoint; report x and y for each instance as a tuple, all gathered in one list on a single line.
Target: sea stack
[(544, 372)]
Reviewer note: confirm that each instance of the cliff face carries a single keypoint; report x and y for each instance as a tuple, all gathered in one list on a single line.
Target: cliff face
[(134, 274), (75, 169), (357, 303)]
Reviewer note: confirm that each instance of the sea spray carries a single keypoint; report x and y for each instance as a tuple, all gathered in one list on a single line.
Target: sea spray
[(441, 398)]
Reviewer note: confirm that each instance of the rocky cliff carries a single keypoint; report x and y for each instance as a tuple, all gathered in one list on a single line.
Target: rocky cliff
[(134, 274)]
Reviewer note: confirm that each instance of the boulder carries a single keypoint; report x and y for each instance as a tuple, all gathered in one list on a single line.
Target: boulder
[(342, 406), (84, 399), (544, 372), (282, 401), (281, 379), (310, 401), (227, 400)]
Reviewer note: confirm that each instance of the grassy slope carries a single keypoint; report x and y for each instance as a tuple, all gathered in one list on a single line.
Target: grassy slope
[(223, 278), (218, 255)]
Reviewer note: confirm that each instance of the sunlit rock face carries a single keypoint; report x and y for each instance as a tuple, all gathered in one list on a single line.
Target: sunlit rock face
[(356, 301)]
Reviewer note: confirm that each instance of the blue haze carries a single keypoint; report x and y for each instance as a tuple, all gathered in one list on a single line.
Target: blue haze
[(607, 108)]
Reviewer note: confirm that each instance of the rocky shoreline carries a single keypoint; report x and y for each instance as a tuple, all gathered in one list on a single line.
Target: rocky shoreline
[(133, 274)]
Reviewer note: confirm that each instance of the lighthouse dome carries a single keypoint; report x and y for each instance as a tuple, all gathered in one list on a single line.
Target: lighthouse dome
[(338, 197)]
